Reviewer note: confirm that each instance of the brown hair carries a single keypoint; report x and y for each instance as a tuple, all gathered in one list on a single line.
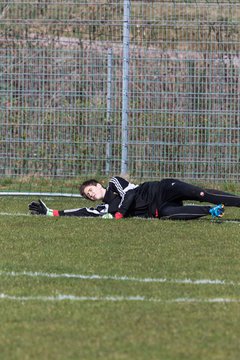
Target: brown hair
[(85, 184)]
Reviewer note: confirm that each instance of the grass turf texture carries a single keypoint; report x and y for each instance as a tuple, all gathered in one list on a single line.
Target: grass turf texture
[(38, 329)]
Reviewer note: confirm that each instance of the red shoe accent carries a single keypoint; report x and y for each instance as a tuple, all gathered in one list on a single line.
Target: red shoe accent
[(118, 215), (156, 213), (55, 213)]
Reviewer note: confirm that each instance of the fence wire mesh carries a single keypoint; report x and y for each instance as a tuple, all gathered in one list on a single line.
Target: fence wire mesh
[(61, 88)]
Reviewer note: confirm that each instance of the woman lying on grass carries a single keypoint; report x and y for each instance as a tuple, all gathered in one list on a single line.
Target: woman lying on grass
[(153, 199)]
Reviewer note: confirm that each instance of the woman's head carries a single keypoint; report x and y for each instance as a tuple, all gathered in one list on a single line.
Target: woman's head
[(92, 190)]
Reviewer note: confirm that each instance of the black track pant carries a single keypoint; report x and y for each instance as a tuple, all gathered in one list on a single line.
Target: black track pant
[(174, 192)]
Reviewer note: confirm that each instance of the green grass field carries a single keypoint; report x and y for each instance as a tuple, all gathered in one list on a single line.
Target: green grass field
[(103, 289)]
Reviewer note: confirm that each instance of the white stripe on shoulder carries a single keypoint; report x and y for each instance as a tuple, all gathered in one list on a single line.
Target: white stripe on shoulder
[(120, 188)]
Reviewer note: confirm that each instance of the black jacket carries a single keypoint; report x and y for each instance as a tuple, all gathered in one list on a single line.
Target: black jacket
[(135, 200)]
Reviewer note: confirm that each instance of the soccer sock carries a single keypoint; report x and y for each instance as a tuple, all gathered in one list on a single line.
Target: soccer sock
[(220, 198)]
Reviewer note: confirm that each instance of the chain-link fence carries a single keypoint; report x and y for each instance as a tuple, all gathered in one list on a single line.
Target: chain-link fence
[(101, 87)]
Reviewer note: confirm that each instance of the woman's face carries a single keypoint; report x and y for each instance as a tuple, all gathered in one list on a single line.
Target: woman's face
[(94, 192)]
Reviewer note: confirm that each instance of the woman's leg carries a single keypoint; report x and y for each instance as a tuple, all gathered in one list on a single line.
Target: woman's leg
[(179, 190), (187, 212)]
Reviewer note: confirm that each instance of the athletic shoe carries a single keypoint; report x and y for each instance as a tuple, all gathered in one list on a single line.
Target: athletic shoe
[(217, 211)]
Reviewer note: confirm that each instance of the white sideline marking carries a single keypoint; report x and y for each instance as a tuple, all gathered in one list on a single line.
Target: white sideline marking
[(62, 297), (120, 278), (13, 214)]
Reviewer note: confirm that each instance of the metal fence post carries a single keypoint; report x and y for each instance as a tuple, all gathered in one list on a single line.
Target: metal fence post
[(109, 112), (125, 84)]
